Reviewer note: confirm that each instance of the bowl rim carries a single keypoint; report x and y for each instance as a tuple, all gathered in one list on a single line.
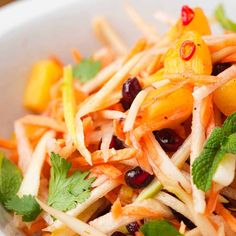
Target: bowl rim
[(17, 13)]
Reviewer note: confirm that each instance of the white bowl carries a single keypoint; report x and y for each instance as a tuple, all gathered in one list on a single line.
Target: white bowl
[(34, 29)]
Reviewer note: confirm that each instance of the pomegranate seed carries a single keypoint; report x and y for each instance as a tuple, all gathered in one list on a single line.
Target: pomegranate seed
[(133, 227), (220, 67), (130, 89), (187, 15), (138, 178), (168, 139), (118, 233), (116, 143), (187, 50), (181, 217)]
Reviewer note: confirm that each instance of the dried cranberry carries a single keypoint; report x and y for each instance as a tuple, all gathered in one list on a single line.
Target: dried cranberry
[(138, 178), (187, 15), (130, 89), (133, 227), (168, 139), (220, 67), (116, 143), (118, 233)]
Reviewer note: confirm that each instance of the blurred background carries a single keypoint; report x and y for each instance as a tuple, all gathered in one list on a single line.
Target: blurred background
[(3, 2)]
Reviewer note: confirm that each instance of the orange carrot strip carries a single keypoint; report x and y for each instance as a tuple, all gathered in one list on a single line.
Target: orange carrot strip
[(227, 216), (212, 201), (97, 157), (230, 58), (112, 196), (37, 226), (76, 55), (143, 162), (7, 144), (108, 170), (139, 233), (139, 211), (206, 110), (116, 209)]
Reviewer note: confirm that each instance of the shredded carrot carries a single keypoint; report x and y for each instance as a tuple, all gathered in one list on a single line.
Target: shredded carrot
[(112, 196), (206, 110), (97, 157), (116, 209), (87, 124), (108, 170), (212, 201), (37, 226), (230, 58), (175, 223), (137, 211), (76, 55), (143, 162), (138, 233), (227, 216), (7, 144), (14, 157), (138, 47), (118, 129)]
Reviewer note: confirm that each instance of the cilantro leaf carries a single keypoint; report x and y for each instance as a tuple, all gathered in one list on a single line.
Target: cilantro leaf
[(86, 69), (10, 179), (26, 206), (225, 22), (159, 228), (66, 191)]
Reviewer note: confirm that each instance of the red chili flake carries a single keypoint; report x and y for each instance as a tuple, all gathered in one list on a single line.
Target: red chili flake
[(187, 14), (187, 50)]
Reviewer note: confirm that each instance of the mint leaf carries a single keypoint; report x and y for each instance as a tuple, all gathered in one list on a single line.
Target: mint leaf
[(225, 22), (221, 142), (229, 144), (66, 191), (86, 69), (159, 228), (10, 179), (229, 126), (26, 206)]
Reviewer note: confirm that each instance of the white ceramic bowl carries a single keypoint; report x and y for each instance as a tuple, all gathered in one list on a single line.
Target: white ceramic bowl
[(34, 29)]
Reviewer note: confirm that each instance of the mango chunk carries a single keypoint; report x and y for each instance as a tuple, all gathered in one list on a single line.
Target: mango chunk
[(199, 63), (37, 93), (224, 98), (199, 24)]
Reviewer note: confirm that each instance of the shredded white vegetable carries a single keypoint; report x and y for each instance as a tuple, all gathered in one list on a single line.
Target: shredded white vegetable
[(31, 181), (73, 223)]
